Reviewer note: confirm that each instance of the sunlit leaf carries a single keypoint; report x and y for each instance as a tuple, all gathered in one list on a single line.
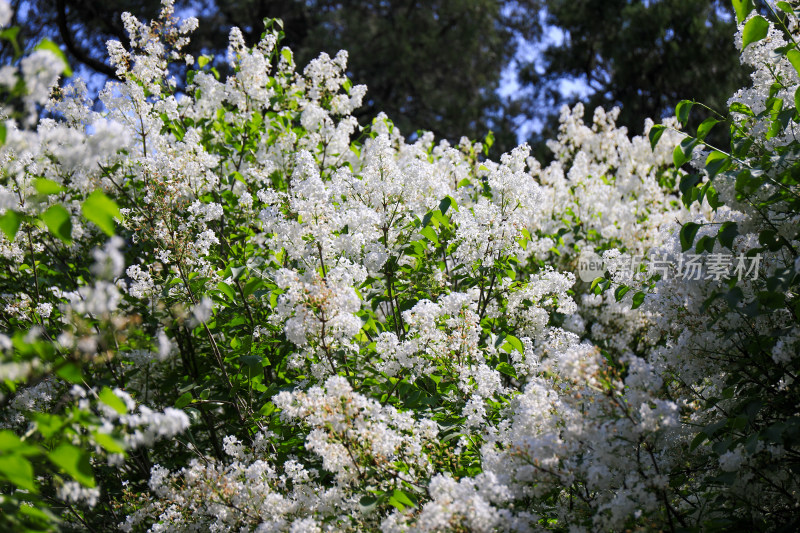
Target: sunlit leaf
[(17, 470), (108, 397), (50, 46), (75, 462), (58, 222), (9, 223), (755, 30), (101, 210)]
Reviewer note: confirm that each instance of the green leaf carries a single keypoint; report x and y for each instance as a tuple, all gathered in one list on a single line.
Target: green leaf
[(797, 99), (74, 462), (705, 243), (679, 156), (688, 232), (101, 210), (785, 7), (638, 299), (18, 471), (744, 109), (3, 133), (715, 162), (10, 34), (252, 362), (770, 239), (36, 519), (287, 55), (488, 142), (109, 443), (655, 134), (682, 111), (746, 184), (705, 127), (727, 232), (368, 503), (50, 46), (48, 424), (58, 222), (251, 286), (712, 196), (742, 8), (508, 370), (108, 397), (70, 372), (10, 442), (46, 186), (774, 106), (678, 159), (445, 204), (227, 290), (9, 223), (347, 85), (400, 500), (683, 152), (429, 233), (771, 299), (794, 58), (440, 218), (202, 61), (426, 220), (697, 441), (755, 30), (515, 343), (184, 400), (620, 292), (238, 272)]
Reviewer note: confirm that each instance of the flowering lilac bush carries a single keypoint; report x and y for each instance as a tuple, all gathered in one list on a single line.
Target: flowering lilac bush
[(233, 308)]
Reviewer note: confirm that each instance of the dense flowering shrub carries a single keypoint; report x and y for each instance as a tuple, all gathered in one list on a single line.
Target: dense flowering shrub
[(231, 307)]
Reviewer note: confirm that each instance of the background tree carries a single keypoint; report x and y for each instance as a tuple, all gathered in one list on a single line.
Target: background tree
[(644, 56), (437, 64)]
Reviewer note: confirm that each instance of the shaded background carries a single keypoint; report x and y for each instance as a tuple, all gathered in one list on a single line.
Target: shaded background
[(457, 67)]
